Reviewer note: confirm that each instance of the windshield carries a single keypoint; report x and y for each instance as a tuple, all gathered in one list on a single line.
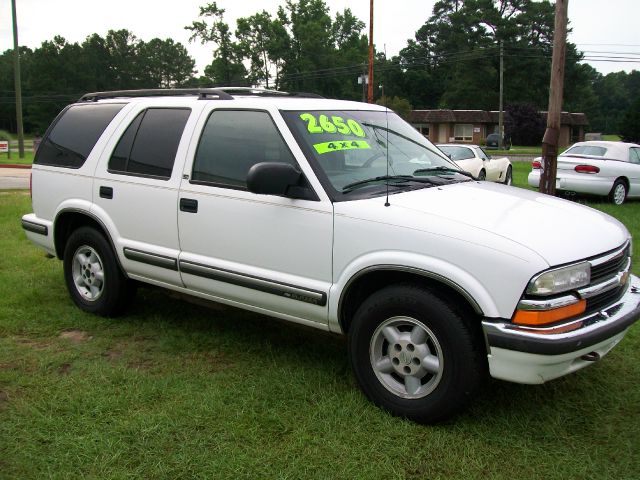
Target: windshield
[(355, 149), (457, 153)]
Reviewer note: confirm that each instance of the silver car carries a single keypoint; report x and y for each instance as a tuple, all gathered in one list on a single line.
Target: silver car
[(608, 169)]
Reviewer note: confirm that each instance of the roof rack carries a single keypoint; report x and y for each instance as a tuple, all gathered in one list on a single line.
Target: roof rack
[(222, 93), (263, 92), (202, 93)]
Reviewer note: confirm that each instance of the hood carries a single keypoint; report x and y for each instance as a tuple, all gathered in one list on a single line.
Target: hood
[(558, 230)]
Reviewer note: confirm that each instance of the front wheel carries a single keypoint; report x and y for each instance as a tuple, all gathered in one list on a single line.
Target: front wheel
[(413, 355), (93, 277), (482, 175), (618, 193)]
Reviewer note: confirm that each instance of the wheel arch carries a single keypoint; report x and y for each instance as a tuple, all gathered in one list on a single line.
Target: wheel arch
[(69, 220), (371, 279)]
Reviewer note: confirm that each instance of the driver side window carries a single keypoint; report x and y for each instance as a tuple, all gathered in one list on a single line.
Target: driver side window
[(232, 142)]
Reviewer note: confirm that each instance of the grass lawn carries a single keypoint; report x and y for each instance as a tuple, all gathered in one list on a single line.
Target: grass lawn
[(15, 159), (174, 390), (515, 150)]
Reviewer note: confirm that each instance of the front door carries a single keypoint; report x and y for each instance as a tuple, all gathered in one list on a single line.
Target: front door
[(263, 252)]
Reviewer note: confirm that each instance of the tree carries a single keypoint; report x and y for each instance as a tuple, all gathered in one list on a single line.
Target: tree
[(264, 42), (227, 67), (524, 125), (453, 62), (630, 126), (399, 105), (165, 63)]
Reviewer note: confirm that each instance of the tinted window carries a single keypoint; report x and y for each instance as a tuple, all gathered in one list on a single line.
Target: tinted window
[(74, 135), (148, 147), (634, 155), (232, 142)]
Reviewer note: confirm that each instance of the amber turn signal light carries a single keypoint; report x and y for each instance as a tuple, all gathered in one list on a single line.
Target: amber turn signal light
[(543, 317)]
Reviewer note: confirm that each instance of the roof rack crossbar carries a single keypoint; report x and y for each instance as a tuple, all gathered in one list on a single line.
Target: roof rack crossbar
[(202, 93)]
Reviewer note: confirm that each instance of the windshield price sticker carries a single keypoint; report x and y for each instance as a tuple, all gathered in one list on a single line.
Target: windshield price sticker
[(338, 145), (335, 124)]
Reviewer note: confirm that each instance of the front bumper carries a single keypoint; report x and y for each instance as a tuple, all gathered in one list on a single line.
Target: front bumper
[(535, 355)]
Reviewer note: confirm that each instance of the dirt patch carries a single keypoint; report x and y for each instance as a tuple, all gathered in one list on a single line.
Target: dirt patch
[(36, 345), (4, 400), (212, 362), (142, 364), (64, 369), (75, 336), (112, 354)]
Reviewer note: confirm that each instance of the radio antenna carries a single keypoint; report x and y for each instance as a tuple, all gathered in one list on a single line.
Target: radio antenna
[(386, 116)]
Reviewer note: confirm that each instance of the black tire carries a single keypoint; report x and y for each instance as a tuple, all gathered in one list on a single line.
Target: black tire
[(92, 274), (448, 374), (482, 175), (508, 178), (618, 193)]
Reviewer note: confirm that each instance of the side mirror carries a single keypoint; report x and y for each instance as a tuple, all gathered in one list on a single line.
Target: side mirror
[(276, 178)]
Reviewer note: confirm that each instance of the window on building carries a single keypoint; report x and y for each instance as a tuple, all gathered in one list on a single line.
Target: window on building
[(149, 145), (463, 132), (423, 128), (232, 142)]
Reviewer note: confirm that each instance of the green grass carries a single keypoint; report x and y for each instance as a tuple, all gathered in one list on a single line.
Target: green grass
[(515, 150), (15, 159), (612, 138), (174, 390)]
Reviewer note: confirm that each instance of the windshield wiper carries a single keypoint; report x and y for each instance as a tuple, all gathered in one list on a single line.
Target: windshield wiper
[(397, 179), (443, 170)]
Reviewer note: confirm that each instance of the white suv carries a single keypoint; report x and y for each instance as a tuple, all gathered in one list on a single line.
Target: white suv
[(336, 215)]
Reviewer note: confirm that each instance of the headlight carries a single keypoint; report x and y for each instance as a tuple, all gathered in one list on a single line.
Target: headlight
[(561, 280)]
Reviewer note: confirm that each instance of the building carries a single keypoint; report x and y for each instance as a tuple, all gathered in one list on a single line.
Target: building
[(473, 126)]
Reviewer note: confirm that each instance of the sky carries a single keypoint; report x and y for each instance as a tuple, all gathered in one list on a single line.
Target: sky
[(600, 28)]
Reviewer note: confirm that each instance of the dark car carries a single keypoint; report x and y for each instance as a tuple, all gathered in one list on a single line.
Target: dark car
[(492, 142)]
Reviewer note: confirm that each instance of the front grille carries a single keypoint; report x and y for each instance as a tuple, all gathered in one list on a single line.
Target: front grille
[(610, 268), (605, 299), (601, 272)]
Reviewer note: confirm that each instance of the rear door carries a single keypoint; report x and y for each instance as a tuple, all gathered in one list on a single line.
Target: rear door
[(136, 190), (263, 252)]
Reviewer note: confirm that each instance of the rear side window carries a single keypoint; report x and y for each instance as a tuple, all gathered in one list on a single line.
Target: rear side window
[(149, 144), (587, 150), (74, 134), (232, 142)]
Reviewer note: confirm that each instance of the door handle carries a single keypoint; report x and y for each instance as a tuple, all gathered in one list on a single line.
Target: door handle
[(189, 205), (106, 192)]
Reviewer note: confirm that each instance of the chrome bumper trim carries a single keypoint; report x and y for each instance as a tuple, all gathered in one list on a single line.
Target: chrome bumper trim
[(571, 336)]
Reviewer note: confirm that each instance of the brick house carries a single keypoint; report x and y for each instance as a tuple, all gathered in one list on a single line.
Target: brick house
[(473, 126)]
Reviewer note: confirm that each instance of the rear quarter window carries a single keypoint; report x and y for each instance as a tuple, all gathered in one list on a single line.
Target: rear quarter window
[(74, 134)]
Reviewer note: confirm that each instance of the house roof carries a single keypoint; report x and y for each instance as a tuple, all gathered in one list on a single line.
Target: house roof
[(482, 116)]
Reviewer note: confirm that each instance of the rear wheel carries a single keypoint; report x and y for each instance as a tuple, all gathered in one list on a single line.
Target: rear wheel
[(413, 355), (618, 193), (482, 175), (508, 178), (93, 277)]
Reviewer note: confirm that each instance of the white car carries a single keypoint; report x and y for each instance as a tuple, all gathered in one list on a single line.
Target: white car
[(478, 163), (608, 169), (339, 216)]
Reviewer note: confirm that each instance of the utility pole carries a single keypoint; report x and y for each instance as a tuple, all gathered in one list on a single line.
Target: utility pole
[(18, 83), (552, 134), (501, 112), (370, 90)]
